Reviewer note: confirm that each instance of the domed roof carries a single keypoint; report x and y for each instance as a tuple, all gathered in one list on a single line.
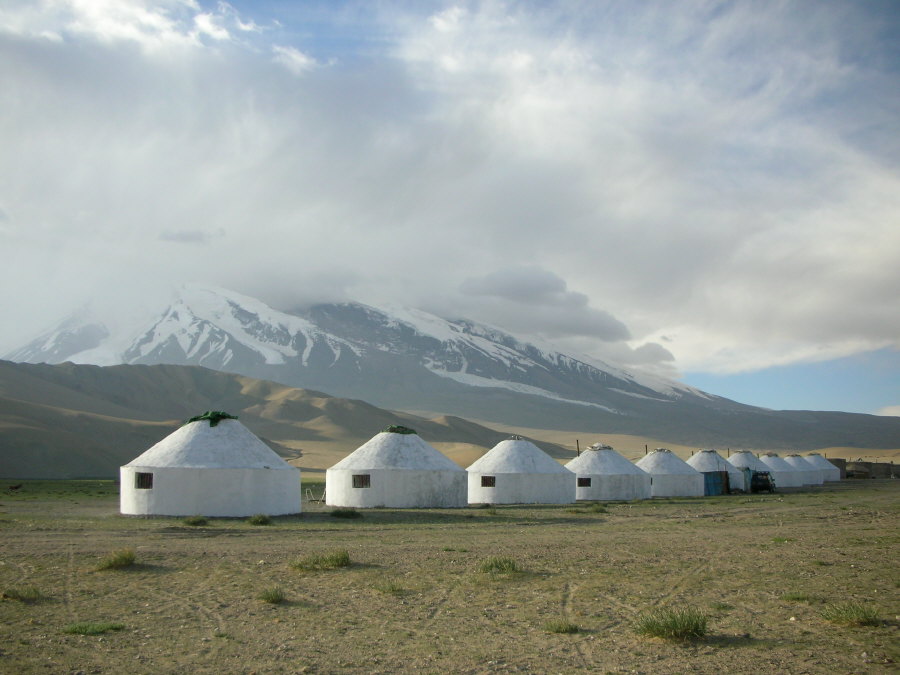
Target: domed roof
[(710, 460), (602, 460), (663, 461), (516, 455), (744, 459), (775, 462), (820, 462), (211, 444), (397, 448), (800, 463)]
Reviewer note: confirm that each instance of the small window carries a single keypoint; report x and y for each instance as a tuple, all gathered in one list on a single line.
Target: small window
[(362, 480), (584, 482), (143, 481), (488, 481)]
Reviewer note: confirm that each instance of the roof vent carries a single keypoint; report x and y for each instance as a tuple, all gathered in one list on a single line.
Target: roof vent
[(398, 429), (213, 416)]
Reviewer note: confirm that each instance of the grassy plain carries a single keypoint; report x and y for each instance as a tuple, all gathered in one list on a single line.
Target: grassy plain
[(762, 569)]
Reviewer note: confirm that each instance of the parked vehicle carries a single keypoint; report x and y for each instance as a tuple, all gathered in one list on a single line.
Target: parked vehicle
[(762, 481)]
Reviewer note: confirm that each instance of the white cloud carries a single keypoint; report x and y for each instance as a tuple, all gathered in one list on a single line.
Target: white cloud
[(207, 24), (293, 59), (715, 174)]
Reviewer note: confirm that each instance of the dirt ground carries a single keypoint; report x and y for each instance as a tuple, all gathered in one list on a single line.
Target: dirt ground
[(762, 567)]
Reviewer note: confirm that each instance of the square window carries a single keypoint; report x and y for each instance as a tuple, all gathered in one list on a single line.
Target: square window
[(143, 481), (488, 481), (584, 482), (363, 480)]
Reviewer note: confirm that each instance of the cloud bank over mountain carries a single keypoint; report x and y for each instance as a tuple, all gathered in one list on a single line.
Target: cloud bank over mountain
[(694, 186)]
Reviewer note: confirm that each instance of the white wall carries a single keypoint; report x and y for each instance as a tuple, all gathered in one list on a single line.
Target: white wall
[(211, 492), (606, 487), (396, 488), (523, 488), (676, 485)]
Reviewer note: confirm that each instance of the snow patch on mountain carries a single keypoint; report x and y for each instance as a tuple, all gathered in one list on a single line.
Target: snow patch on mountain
[(478, 381)]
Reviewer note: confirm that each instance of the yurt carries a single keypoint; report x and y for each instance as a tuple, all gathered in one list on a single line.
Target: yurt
[(809, 474), (711, 462), (744, 459), (671, 476), (603, 474), (516, 471), (829, 471), (211, 466), (784, 474), (395, 469)]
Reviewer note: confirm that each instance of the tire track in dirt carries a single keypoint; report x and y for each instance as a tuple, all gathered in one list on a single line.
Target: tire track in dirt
[(23, 572), (191, 602), (566, 609), (682, 581), (69, 580), (441, 601)]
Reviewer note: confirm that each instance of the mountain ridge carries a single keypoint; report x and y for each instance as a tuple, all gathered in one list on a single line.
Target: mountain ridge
[(408, 359), (75, 420)]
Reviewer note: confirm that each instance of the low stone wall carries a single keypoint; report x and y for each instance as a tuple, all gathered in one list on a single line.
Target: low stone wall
[(870, 470)]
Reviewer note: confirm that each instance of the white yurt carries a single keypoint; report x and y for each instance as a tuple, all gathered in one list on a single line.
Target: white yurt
[(744, 459), (809, 474), (710, 461), (785, 475), (516, 471), (396, 469), (671, 476), (603, 474), (830, 473), (211, 466)]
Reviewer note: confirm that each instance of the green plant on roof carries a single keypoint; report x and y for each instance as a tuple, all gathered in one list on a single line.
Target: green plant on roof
[(213, 416), (398, 429)]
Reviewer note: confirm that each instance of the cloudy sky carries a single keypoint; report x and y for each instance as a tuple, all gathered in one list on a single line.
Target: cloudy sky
[(706, 189)]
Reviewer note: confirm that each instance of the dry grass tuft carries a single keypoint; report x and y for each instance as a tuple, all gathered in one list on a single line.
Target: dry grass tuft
[(26, 594), (323, 561), (118, 560), (92, 627), (498, 565), (273, 595), (850, 614), (561, 626), (672, 624), (195, 521)]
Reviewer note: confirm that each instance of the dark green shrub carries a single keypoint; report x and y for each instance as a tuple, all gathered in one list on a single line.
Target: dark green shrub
[(345, 513)]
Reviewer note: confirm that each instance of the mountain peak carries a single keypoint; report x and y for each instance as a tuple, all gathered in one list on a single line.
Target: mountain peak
[(398, 357)]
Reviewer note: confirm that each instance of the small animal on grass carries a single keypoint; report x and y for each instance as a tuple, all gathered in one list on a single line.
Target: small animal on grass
[(13, 488)]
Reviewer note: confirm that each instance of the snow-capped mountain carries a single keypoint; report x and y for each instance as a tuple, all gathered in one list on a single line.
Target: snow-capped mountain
[(405, 359), (224, 330)]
